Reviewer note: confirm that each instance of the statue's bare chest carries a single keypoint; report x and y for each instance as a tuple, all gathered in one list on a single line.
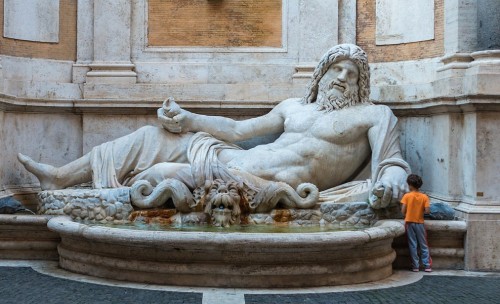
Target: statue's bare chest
[(338, 127)]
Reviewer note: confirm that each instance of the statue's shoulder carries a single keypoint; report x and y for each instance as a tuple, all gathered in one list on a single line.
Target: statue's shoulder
[(377, 110), (288, 104)]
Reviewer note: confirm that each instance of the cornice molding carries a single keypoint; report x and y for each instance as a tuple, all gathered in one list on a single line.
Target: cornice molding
[(426, 107)]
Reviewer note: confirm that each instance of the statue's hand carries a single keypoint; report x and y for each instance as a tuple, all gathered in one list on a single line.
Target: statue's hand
[(172, 116), (389, 189)]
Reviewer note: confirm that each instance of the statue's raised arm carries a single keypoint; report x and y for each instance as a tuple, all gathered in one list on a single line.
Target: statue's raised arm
[(177, 120)]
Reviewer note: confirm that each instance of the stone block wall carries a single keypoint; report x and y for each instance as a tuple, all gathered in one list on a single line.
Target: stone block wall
[(446, 240), (366, 29), (65, 49), (25, 237)]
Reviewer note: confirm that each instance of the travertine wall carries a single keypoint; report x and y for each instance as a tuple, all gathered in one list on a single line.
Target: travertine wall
[(65, 49)]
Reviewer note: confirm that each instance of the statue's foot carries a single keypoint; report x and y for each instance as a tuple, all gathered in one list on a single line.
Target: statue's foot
[(46, 174)]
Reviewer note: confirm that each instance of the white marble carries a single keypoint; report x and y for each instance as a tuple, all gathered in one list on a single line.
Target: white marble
[(250, 259), (39, 78), (404, 80), (184, 150), (111, 42), (33, 69), (404, 21), (85, 29), (318, 28), (1, 76), (347, 21), (460, 26), (33, 20), (40, 135), (98, 129)]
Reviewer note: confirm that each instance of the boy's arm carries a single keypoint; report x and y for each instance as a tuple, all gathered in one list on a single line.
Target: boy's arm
[(403, 203), (427, 205)]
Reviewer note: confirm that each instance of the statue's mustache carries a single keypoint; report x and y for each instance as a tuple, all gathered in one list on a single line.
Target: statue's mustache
[(337, 83)]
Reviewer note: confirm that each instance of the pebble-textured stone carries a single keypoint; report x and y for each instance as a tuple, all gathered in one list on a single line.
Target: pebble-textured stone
[(94, 205), (358, 214)]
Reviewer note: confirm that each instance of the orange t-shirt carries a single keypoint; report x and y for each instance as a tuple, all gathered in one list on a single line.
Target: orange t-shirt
[(415, 202)]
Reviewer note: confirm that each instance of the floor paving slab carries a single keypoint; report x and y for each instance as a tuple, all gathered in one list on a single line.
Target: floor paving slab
[(44, 282)]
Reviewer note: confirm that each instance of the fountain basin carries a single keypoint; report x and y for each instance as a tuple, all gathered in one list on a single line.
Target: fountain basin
[(223, 259)]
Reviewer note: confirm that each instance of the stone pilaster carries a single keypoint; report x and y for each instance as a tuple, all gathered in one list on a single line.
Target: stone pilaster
[(85, 40), (481, 150), (460, 26), (1, 76), (471, 73), (111, 43)]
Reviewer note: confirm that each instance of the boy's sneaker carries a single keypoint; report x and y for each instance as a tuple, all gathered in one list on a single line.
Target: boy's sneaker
[(428, 269), (415, 270)]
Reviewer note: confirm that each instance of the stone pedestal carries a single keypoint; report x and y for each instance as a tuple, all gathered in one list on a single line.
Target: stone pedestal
[(482, 244), (109, 73)]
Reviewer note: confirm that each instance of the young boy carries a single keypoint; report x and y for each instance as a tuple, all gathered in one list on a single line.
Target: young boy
[(415, 204)]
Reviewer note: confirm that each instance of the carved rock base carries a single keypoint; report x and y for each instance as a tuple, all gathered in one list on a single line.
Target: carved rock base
[(331, 215), (93, 205), (114, 205)]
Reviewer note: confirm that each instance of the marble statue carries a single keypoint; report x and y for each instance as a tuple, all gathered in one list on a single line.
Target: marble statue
[(326, 139)]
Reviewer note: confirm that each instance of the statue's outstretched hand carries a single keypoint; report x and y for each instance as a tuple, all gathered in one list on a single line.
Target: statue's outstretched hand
[(172, 117), (389, 190)]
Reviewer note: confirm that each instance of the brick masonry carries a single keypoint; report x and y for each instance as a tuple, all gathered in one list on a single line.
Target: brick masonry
[(244, 23)]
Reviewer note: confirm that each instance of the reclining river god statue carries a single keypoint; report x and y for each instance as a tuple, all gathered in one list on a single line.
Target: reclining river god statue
[(326, 139)]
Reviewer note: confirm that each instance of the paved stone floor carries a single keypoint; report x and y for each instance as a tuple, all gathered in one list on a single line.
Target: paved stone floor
[(43, 282)]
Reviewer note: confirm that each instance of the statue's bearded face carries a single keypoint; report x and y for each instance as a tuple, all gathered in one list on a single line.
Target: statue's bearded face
[(338, 88)]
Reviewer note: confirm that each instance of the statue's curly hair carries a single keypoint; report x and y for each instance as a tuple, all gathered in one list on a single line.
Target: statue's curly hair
[(336, 54)]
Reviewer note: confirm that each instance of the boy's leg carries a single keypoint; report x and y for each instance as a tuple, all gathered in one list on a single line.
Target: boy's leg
[(412, 244), (421, 236)]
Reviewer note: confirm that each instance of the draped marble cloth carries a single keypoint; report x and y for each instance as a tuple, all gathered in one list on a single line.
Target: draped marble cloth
[(114, 164)]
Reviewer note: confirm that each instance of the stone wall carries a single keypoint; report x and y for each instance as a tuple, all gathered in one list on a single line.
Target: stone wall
[(446, 240), (58, 100), (366, 29), (64, 49)]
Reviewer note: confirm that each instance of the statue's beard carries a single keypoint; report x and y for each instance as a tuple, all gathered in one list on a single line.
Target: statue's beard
[(328, 101)]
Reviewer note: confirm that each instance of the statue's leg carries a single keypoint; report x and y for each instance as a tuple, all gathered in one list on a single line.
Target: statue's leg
[(116, 160), (51, 177), (159, 172)]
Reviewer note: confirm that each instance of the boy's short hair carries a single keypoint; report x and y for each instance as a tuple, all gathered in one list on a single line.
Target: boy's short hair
[(414, 181)]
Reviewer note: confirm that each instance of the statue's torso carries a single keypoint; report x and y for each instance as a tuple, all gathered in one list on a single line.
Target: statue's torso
[(321, 148)]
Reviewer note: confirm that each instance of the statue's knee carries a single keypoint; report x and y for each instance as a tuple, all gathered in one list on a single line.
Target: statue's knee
[(160, 168), (150, 131)]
